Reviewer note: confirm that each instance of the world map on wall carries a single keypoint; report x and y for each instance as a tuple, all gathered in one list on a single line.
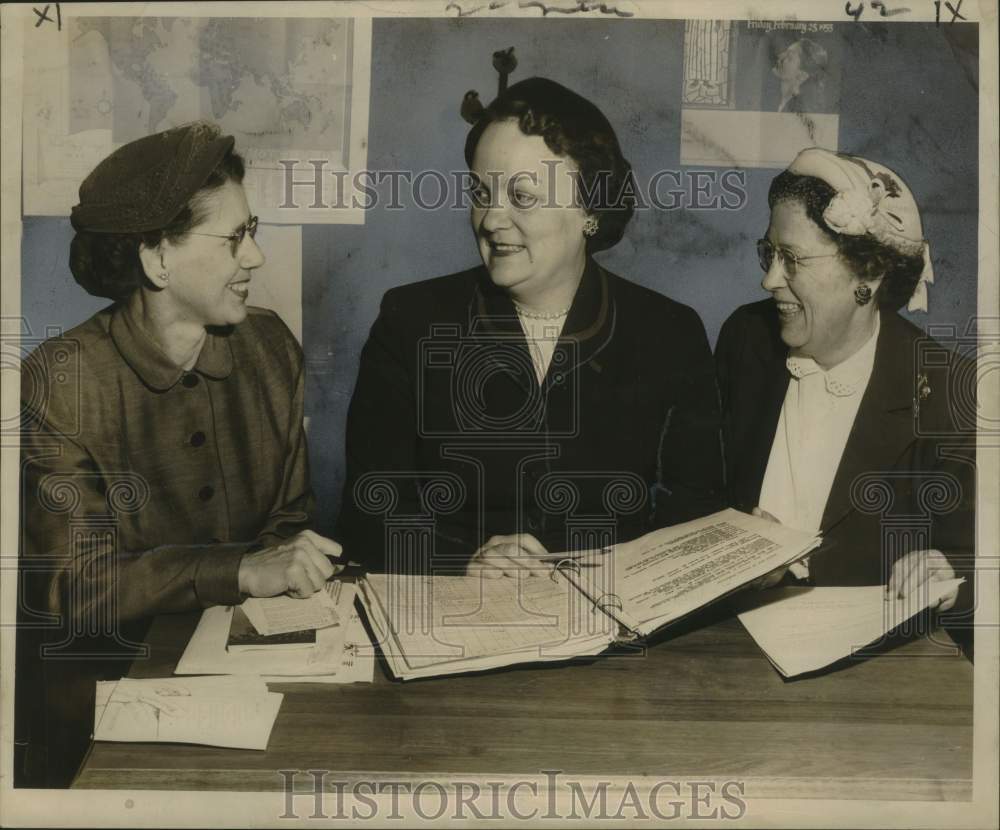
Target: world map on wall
[(275, 84)]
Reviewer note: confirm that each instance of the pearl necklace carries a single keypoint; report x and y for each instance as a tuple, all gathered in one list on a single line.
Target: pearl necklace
[(540, 315)]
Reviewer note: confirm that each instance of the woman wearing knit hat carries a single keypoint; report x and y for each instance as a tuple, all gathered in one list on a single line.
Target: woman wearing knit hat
[(164, 464), (834, 421)]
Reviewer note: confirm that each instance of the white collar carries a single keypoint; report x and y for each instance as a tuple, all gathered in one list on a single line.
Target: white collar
[(848, 376)]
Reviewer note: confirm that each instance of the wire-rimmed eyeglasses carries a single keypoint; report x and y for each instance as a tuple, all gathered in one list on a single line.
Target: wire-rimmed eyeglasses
[(248, 228), (766, 253)]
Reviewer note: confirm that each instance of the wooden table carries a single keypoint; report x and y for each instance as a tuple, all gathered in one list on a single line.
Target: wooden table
[(702, 702)]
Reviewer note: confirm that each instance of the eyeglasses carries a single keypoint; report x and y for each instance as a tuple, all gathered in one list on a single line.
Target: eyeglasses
[(248, 228), (766, 252)]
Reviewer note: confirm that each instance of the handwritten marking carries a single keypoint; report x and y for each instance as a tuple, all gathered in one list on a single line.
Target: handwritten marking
[(581, 6), (545, 8), (43, 16), (883, 10), (954, 11)]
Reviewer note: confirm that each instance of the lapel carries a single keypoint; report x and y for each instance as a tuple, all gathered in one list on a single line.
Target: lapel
[(767, 380), (883, 428), (589, 324)]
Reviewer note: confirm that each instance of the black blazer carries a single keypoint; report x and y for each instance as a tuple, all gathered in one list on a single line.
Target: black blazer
[(450, 438), (906, 480)]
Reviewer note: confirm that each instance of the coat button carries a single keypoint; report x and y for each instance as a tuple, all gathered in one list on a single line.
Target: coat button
[(197, 438), (190, 380), (533, 523), (206, 492)]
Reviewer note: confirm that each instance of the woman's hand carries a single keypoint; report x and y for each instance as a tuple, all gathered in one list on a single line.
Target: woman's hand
[(771, 579), (913, 571), (508, 556), (298, 567)]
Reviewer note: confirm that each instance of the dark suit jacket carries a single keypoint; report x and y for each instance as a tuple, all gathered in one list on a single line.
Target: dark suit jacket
[(450, 438), (906, 480)]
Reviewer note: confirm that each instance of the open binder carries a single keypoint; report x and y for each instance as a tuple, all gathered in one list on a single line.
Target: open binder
[(439, 625)]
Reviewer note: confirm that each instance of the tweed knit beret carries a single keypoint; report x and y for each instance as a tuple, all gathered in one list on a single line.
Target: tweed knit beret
[(144, 184)]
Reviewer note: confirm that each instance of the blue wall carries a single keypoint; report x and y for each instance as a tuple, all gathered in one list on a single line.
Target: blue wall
[(909, 101)]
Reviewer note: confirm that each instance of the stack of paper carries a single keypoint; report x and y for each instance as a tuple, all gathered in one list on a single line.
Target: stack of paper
[(243, 636), (283, 615), (342, 653), (430, 626), (805, 629), (216, 711)]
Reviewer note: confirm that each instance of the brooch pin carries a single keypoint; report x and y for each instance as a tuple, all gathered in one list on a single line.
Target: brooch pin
[(923, 387), (923, 392)]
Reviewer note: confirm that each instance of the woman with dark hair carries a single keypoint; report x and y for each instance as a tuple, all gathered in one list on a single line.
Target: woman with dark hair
[(833, 420), (164, 464), (537, 402)]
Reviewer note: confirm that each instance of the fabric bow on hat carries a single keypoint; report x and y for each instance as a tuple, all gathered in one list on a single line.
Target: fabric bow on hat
[(871, 199)]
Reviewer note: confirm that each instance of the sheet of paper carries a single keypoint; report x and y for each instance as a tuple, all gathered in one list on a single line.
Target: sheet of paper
[(88, 97), (235, 713), (752, 139), (805, 629), (671, 572), (281, 615)]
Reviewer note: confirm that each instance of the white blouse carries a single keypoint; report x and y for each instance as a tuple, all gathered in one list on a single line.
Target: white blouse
[(542, 336), (815, 422)]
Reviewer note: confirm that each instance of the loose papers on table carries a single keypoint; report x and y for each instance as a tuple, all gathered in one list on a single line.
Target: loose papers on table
[(216, 711), (342, 653), (805, 629)]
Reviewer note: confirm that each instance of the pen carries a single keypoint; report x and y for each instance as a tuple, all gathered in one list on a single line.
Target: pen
[(577, 557), (348, 568)]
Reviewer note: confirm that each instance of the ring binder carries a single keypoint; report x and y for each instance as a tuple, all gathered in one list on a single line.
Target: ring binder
[(651, 582), (569, 564), (612, 599)]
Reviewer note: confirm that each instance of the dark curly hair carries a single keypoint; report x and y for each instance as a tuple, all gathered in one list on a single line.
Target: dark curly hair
[(108, 265), (571, 126), (867, 258)]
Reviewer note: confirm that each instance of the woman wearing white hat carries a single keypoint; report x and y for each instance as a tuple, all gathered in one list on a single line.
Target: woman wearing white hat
[(834, 420)]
